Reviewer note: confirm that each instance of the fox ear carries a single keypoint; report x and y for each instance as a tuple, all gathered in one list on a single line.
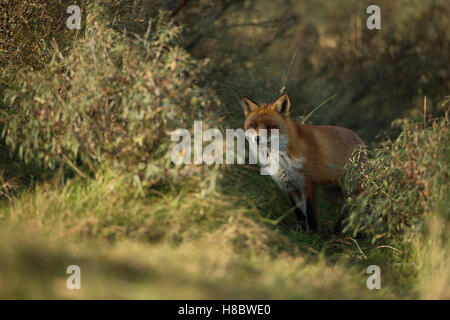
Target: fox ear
[(249, 105), (282, 105)]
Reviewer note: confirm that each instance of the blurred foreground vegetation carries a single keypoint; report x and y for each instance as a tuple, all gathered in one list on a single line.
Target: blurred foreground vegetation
[(85, 170)]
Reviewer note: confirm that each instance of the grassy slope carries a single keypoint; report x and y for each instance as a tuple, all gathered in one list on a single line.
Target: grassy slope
[(194, 246)]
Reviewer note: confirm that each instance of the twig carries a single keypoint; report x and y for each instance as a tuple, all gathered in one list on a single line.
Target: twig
[(365, 257), (424, 112), (286, 76), (55, 46), (177, 10), (395, 249), (70, 163), (149, 28), (279, 219), (251, 24), (315, 109)]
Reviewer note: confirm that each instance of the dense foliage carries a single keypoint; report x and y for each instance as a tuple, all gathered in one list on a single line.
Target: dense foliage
[(112, 99), (402, 181)]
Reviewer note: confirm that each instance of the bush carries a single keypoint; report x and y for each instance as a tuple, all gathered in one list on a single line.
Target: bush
[(402, 180), (111, 98)]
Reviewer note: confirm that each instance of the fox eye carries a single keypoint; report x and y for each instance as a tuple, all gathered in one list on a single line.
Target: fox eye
[(271, 127), (253, 126)]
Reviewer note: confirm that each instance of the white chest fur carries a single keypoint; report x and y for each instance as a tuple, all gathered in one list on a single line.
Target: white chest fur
[(288, 176)]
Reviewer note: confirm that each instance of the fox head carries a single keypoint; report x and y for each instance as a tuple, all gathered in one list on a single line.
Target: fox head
[(266, 116)]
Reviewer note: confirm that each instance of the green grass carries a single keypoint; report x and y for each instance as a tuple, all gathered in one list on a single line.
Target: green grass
[(170, 246)]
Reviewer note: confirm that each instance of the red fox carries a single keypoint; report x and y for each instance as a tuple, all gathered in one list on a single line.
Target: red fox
[(316, 156)]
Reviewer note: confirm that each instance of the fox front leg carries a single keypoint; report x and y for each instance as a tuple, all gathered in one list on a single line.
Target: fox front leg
[(299, 201), (306, 210)]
